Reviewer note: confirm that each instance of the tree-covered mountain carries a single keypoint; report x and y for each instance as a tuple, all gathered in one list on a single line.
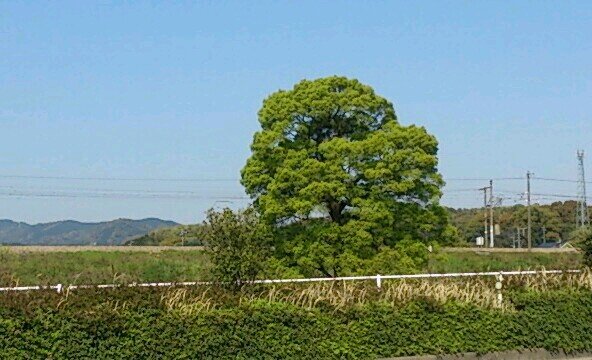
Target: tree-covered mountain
[(71, 232)]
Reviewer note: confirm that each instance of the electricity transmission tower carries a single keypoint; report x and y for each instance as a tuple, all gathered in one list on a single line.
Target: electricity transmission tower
[(582, 209)]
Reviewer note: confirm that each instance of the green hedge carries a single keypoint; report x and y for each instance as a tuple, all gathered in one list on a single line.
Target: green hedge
[(43, 328)]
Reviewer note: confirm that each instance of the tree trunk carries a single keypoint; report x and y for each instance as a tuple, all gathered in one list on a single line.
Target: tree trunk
[(336, 211)]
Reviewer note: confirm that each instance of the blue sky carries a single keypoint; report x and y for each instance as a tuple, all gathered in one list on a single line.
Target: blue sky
[(154, 90)]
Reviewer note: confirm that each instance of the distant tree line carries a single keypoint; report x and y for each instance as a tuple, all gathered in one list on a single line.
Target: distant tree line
[(550, 223)]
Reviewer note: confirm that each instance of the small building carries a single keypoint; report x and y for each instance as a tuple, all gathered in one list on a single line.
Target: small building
[(555, 245)]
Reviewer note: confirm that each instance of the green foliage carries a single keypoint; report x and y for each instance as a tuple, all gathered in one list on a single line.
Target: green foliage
[(580, 235), (341, 177), (586, 245), (238, 244), (407, 257), (82, 327), (550, 223)]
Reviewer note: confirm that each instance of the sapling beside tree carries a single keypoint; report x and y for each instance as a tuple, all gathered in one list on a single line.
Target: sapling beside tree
[(238, 245)]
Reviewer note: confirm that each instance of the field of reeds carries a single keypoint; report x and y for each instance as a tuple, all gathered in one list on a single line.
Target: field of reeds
[(340, 295), (337, 295), (20, 266)]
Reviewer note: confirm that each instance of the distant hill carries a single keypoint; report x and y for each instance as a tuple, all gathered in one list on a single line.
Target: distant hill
[(178, 235), (70, 232)]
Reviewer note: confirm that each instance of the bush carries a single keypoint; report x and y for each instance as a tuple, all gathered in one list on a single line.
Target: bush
[(586, 245), (134, 324), (238, 245), (407, 257)]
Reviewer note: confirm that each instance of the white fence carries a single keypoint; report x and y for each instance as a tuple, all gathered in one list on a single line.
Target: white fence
[(377, 278)]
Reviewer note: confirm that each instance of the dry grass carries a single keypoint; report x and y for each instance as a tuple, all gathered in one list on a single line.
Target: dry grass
[(340, 295), (546, 281), (329, 296), (185, 302)]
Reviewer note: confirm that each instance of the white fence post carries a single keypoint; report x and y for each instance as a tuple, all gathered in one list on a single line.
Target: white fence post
[(378, 281), (59, 288), (498, 288)]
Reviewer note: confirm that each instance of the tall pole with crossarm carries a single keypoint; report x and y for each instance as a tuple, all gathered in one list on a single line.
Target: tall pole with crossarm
[(529, 220)]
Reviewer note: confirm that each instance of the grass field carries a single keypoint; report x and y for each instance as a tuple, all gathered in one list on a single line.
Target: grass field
[(79, 248), (87, 265), (36, 267)]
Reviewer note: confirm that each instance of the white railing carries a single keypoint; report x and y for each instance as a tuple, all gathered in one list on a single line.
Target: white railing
[(377, 278)]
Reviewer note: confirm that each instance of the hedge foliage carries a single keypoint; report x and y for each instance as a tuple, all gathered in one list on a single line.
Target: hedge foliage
[(135, 325)]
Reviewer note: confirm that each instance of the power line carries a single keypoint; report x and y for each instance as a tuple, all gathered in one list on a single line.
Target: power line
[(17, 191), (484, 179), (560, 180), (558, 195), (101, 190), (164, 179), (171, 179), (40, 194), (460, 190), (82, 178)]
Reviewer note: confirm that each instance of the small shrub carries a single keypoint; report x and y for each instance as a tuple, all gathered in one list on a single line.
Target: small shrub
[(238, 245), (407, 257), (586, 246)]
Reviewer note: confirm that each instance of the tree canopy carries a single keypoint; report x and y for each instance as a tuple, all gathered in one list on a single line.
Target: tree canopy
[(332, 156)]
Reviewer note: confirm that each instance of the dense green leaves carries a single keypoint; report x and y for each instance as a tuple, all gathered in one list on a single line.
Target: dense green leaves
[(586, 244), (265, 330), (238, 245), (332, 161)]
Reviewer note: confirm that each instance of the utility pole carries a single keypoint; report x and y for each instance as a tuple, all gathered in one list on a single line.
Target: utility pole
[(484, 189), (582, 210), (182, 234), (520, 232), (529, 234), (491, 226)]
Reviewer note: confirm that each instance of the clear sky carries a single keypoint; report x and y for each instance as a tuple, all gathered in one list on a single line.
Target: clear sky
[(153, 90)]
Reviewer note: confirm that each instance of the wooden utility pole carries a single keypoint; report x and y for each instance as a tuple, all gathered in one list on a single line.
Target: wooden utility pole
[(520, 234), (485, 237), (529, 226), (491, 226)]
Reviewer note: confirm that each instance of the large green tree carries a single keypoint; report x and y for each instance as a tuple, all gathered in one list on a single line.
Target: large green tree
[(333, 167)]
